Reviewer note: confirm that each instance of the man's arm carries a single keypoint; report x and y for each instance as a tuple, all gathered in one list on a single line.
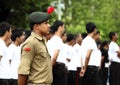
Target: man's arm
[(83, 70), (102, 61), (22, 79), (87, 58), (0, 57), (55, 57), (118, 52)]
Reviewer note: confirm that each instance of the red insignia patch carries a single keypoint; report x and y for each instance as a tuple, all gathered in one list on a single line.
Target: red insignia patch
[(27, 49)]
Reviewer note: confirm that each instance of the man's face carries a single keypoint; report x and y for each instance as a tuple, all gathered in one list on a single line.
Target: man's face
[(62, 29), (9, 33), (8, 37), (116, 36), (44, 28), (22, 38), (79, 39), (97, 36)]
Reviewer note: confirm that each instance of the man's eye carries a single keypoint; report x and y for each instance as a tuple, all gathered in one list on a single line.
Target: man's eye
[(46, 22)]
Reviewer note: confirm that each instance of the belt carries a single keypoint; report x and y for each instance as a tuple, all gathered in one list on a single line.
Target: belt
[(92, 67), (37, 84), (60, 63)]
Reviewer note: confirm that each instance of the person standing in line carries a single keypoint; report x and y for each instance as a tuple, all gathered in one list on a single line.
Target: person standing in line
[(104, 62), (49, 36), (5, 35), (98, 54), (114, 57), (62, 60), (18, 37), (77, 57), (89, 69), (35, 66), (64, 37), (71, 67), (54, 47)]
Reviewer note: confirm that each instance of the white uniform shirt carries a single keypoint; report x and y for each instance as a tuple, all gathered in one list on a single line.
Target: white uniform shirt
[(71, 65), (55, 43), (63, 54), (98, 56), (4, 63), (14, 54), (113, 55), (77, 55), (87, 44)]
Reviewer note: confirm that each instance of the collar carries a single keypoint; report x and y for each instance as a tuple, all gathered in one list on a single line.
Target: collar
[(37, 36)]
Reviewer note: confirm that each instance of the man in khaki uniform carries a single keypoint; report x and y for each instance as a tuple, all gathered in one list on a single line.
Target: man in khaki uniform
[(35, 66)]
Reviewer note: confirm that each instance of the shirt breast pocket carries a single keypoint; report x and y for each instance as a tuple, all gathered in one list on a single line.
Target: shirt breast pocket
[(42, 57)]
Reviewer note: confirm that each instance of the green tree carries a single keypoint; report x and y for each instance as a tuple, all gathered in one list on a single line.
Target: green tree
[(16, 11), (104, 13)]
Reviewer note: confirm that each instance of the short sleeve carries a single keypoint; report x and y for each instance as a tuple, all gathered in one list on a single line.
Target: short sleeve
[(1, 50), (10, 52), (27, 53), (116, 47)]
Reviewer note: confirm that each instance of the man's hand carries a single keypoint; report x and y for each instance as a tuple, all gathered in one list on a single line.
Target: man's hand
[(22, 79), (82, 72), (0, 58)]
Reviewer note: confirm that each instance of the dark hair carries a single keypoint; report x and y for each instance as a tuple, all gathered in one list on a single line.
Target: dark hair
[(111, 34), (84, 35), (90, 26), (27, 33), (55, 25), (4, 27), (31, 26), (70, 37), (104, 43), (98, 42), (16, 33), (98, 32)]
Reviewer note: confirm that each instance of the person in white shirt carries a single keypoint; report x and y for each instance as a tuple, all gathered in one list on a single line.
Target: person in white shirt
[(89, 70), (77, 57), (14, 52), (98, 51), (54, 46), (5, 34), (70, 61), (98, 54), (104, 62), (62, 54), (114, 57)]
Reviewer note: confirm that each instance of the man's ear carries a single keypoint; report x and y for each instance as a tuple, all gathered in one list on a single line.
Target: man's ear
[(36, 26)]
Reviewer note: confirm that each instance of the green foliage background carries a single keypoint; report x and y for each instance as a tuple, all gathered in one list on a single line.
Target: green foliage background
[(104, 13)]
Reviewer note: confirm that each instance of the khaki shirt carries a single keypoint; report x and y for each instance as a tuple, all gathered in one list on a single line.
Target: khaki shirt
[(35, 60)]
